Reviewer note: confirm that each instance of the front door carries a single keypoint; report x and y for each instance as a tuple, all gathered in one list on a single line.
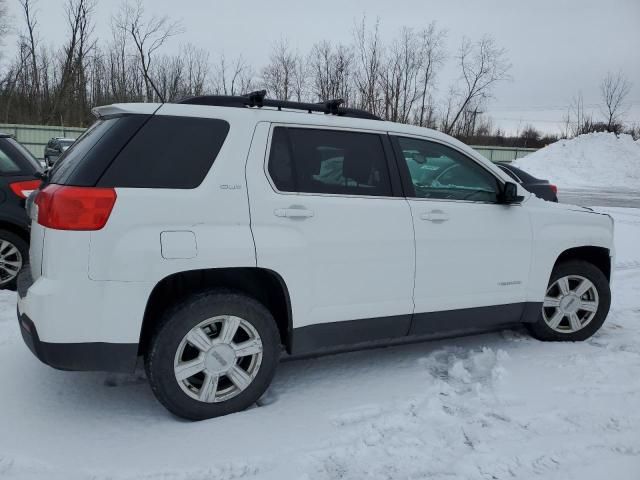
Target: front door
[(472, 253)]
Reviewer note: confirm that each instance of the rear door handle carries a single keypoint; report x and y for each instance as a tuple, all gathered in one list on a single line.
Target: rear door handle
[(436, 216), (293, 212)]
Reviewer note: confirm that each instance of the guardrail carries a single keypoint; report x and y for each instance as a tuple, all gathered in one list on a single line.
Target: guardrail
[(35, 138)]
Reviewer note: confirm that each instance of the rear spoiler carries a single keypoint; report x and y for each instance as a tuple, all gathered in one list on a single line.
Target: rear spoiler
[(120, 109)]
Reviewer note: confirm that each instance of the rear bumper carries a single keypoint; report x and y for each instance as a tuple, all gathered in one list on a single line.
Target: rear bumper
[(80, 356), (103, 357)]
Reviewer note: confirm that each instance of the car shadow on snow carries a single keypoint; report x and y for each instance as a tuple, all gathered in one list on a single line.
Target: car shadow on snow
[(380, 371)]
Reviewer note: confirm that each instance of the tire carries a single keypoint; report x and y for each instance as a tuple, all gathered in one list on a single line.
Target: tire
[(15, 251), (170, 351), (597, 299)]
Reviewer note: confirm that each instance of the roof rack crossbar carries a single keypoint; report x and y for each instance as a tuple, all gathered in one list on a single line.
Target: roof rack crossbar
[(257, 99)]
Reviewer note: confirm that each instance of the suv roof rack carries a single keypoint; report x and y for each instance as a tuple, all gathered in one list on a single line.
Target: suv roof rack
[(257, 99)]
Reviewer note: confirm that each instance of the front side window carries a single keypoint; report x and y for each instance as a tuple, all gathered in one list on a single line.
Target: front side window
[(440, 172), (328, 161)]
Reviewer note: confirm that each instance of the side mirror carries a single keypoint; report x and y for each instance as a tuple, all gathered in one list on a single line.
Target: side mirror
[(509, 194)]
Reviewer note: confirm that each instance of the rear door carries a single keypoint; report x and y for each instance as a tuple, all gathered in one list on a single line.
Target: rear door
[(327, 216), (472, 253)]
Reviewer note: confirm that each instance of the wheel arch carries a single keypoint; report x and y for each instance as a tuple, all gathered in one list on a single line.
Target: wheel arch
[(15, 228), (265, 285), (597, 256)]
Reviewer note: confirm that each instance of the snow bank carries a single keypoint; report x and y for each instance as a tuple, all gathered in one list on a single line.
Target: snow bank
[(593, 160), (499, 405)]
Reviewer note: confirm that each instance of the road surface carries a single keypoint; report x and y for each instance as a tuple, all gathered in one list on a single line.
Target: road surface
[(608, 197)]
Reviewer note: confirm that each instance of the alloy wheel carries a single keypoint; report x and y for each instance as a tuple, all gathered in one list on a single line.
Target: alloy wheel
[(570, 304), (10, 261), (218, 359)]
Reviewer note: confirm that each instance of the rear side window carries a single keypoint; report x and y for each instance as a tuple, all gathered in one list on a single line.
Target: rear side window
[(168, 152), (328, 161), (7, 165)]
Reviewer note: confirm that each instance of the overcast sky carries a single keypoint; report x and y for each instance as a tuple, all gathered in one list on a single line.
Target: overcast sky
[(556, 47)]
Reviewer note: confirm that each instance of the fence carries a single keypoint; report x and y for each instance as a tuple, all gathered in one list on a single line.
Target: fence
[(35, 137), (503, 154)]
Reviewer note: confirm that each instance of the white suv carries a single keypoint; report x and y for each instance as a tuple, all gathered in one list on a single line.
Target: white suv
[(210, 236)]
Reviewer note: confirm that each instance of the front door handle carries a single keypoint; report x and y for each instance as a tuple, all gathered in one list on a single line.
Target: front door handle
[(293, 212), (435, 216)]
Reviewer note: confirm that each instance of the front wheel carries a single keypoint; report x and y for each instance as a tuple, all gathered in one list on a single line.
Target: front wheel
[(576, 303), (214, 354)]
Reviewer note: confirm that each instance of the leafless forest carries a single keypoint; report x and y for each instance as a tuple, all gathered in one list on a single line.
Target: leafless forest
[(397, 80)]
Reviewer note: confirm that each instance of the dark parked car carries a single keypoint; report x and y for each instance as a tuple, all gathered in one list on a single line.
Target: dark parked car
[(539, 187), (56, 147), (18, 178)]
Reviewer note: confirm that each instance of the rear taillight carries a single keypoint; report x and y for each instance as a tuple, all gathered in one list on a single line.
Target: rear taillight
[(23, 189), (554, 189), (74, 208)]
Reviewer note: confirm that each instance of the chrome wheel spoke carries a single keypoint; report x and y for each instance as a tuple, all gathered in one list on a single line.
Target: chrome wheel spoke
[(199, 339), (4, 245), (583, 288), (555, 320), (239, 377), (574, 320), (551, 301), (12, 266), (209, 388), (563, 285), (588, 306), (250, 347), (229, 329), (189, 369)]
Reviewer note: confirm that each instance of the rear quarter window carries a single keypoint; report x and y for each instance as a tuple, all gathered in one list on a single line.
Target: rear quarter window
[(168, 152)]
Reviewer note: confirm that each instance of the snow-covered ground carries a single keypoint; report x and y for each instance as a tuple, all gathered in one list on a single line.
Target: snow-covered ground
[(593, 160), (495, 406)]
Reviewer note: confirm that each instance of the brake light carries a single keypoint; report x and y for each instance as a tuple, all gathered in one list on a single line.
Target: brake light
[(24, 189), (74, 208), (554, 188)]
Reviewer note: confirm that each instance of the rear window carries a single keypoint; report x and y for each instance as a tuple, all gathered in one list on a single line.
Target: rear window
[(168, 152), (83, 163)]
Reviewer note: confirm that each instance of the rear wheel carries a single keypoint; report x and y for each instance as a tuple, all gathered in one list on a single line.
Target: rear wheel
[(576, 303), (14, 252), (214, 354)]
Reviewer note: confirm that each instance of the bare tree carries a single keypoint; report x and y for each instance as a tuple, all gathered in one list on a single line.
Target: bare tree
[(368, 54), (4, 22), (148, 36), (433, 55), (284, 76), (331, 72), (482, 65), (614, 90), (232, 78)]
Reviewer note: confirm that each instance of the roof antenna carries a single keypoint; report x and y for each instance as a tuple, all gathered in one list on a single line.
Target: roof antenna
[(256, 99)]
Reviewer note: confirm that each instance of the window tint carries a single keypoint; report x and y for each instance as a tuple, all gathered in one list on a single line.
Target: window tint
[(7, 165), (33, 164), (65, 166), (328, 161), (440, 172), (167, 152)]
